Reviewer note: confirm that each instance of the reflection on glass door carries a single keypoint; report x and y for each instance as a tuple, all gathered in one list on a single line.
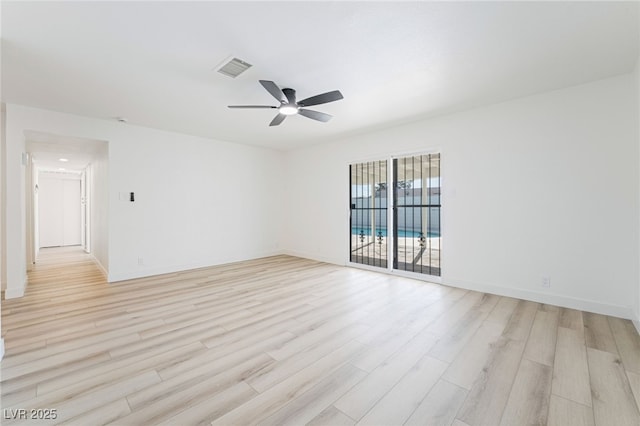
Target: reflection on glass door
[(416, 214), (368, 194)]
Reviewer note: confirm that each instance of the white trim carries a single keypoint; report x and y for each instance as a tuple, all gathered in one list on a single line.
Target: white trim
[(98, 264), (397, 272), (1, 349), (547, 298), (417, 276), (533, 296), (636, 322), (150, 272), (15, 293), (308, 256), (380, 269)]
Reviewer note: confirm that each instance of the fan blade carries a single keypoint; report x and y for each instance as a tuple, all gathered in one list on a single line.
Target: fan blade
[(291, 95), (277, 120), (274, 90), (251, 106), (321, 99), (315, 115)]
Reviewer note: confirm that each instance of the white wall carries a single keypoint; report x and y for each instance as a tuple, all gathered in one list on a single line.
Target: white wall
[(3, 202), (29, 185), (36, 219), (637, 80), (199, 202), (99, 208), (15, 207), (543, 185), (3, 228)]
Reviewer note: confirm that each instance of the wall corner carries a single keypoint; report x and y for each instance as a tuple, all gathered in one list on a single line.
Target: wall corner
[(636, 321)]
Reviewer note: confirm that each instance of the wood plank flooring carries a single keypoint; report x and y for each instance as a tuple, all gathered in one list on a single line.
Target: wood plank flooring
[(283, 340)]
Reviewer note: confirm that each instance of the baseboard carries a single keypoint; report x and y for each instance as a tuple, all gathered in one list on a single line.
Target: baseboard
[(546, 298), (100, 266), (1, 349), (14, 293), (618, 311), (309, 256), (153, 271)]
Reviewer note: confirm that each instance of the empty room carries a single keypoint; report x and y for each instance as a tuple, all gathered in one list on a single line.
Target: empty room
[(320, 213)]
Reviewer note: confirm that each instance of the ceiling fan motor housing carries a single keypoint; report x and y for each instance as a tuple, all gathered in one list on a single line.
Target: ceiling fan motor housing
[(291, 95), (290, 107)]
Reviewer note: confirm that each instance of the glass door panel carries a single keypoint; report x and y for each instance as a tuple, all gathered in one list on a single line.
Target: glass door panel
[(416, 218), (368, 219)]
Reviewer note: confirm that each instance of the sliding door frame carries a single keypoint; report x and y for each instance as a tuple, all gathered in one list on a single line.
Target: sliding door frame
[(391, 207)]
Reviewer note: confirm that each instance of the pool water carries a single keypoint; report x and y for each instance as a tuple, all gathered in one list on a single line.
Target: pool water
[(401, 232)]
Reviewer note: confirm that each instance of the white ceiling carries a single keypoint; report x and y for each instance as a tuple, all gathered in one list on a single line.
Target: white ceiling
[(153, 62), (47, 150)]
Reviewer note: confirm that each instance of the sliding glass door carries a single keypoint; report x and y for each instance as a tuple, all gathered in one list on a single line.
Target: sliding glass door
[(368, 197), (413, 241)]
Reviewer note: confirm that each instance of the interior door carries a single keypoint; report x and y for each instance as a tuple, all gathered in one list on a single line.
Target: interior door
[(50, 212), (72, 213), (59, 210)]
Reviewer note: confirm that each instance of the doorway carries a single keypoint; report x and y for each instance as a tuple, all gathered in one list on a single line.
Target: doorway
[(76, 169), (60, 209)]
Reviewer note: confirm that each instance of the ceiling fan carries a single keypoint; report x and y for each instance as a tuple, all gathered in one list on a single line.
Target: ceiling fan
[(289, 105)]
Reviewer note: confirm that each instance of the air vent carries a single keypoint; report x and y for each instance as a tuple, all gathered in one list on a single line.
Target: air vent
[(233, 67)]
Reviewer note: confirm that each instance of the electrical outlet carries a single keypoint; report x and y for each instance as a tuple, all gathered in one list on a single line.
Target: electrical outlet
[(546, 281), (140, 261)]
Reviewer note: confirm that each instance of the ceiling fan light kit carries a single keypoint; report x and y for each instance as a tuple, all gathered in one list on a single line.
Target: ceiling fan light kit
[(289, 105), (288, 109)]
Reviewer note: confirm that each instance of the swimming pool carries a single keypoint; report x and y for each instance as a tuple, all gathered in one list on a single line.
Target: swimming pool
[(401, 232)]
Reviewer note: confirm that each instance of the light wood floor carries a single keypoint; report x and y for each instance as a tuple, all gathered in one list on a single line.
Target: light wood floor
[(284, 340)]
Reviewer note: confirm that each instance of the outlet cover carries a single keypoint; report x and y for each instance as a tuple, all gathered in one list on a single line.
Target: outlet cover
[(546, 281)]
